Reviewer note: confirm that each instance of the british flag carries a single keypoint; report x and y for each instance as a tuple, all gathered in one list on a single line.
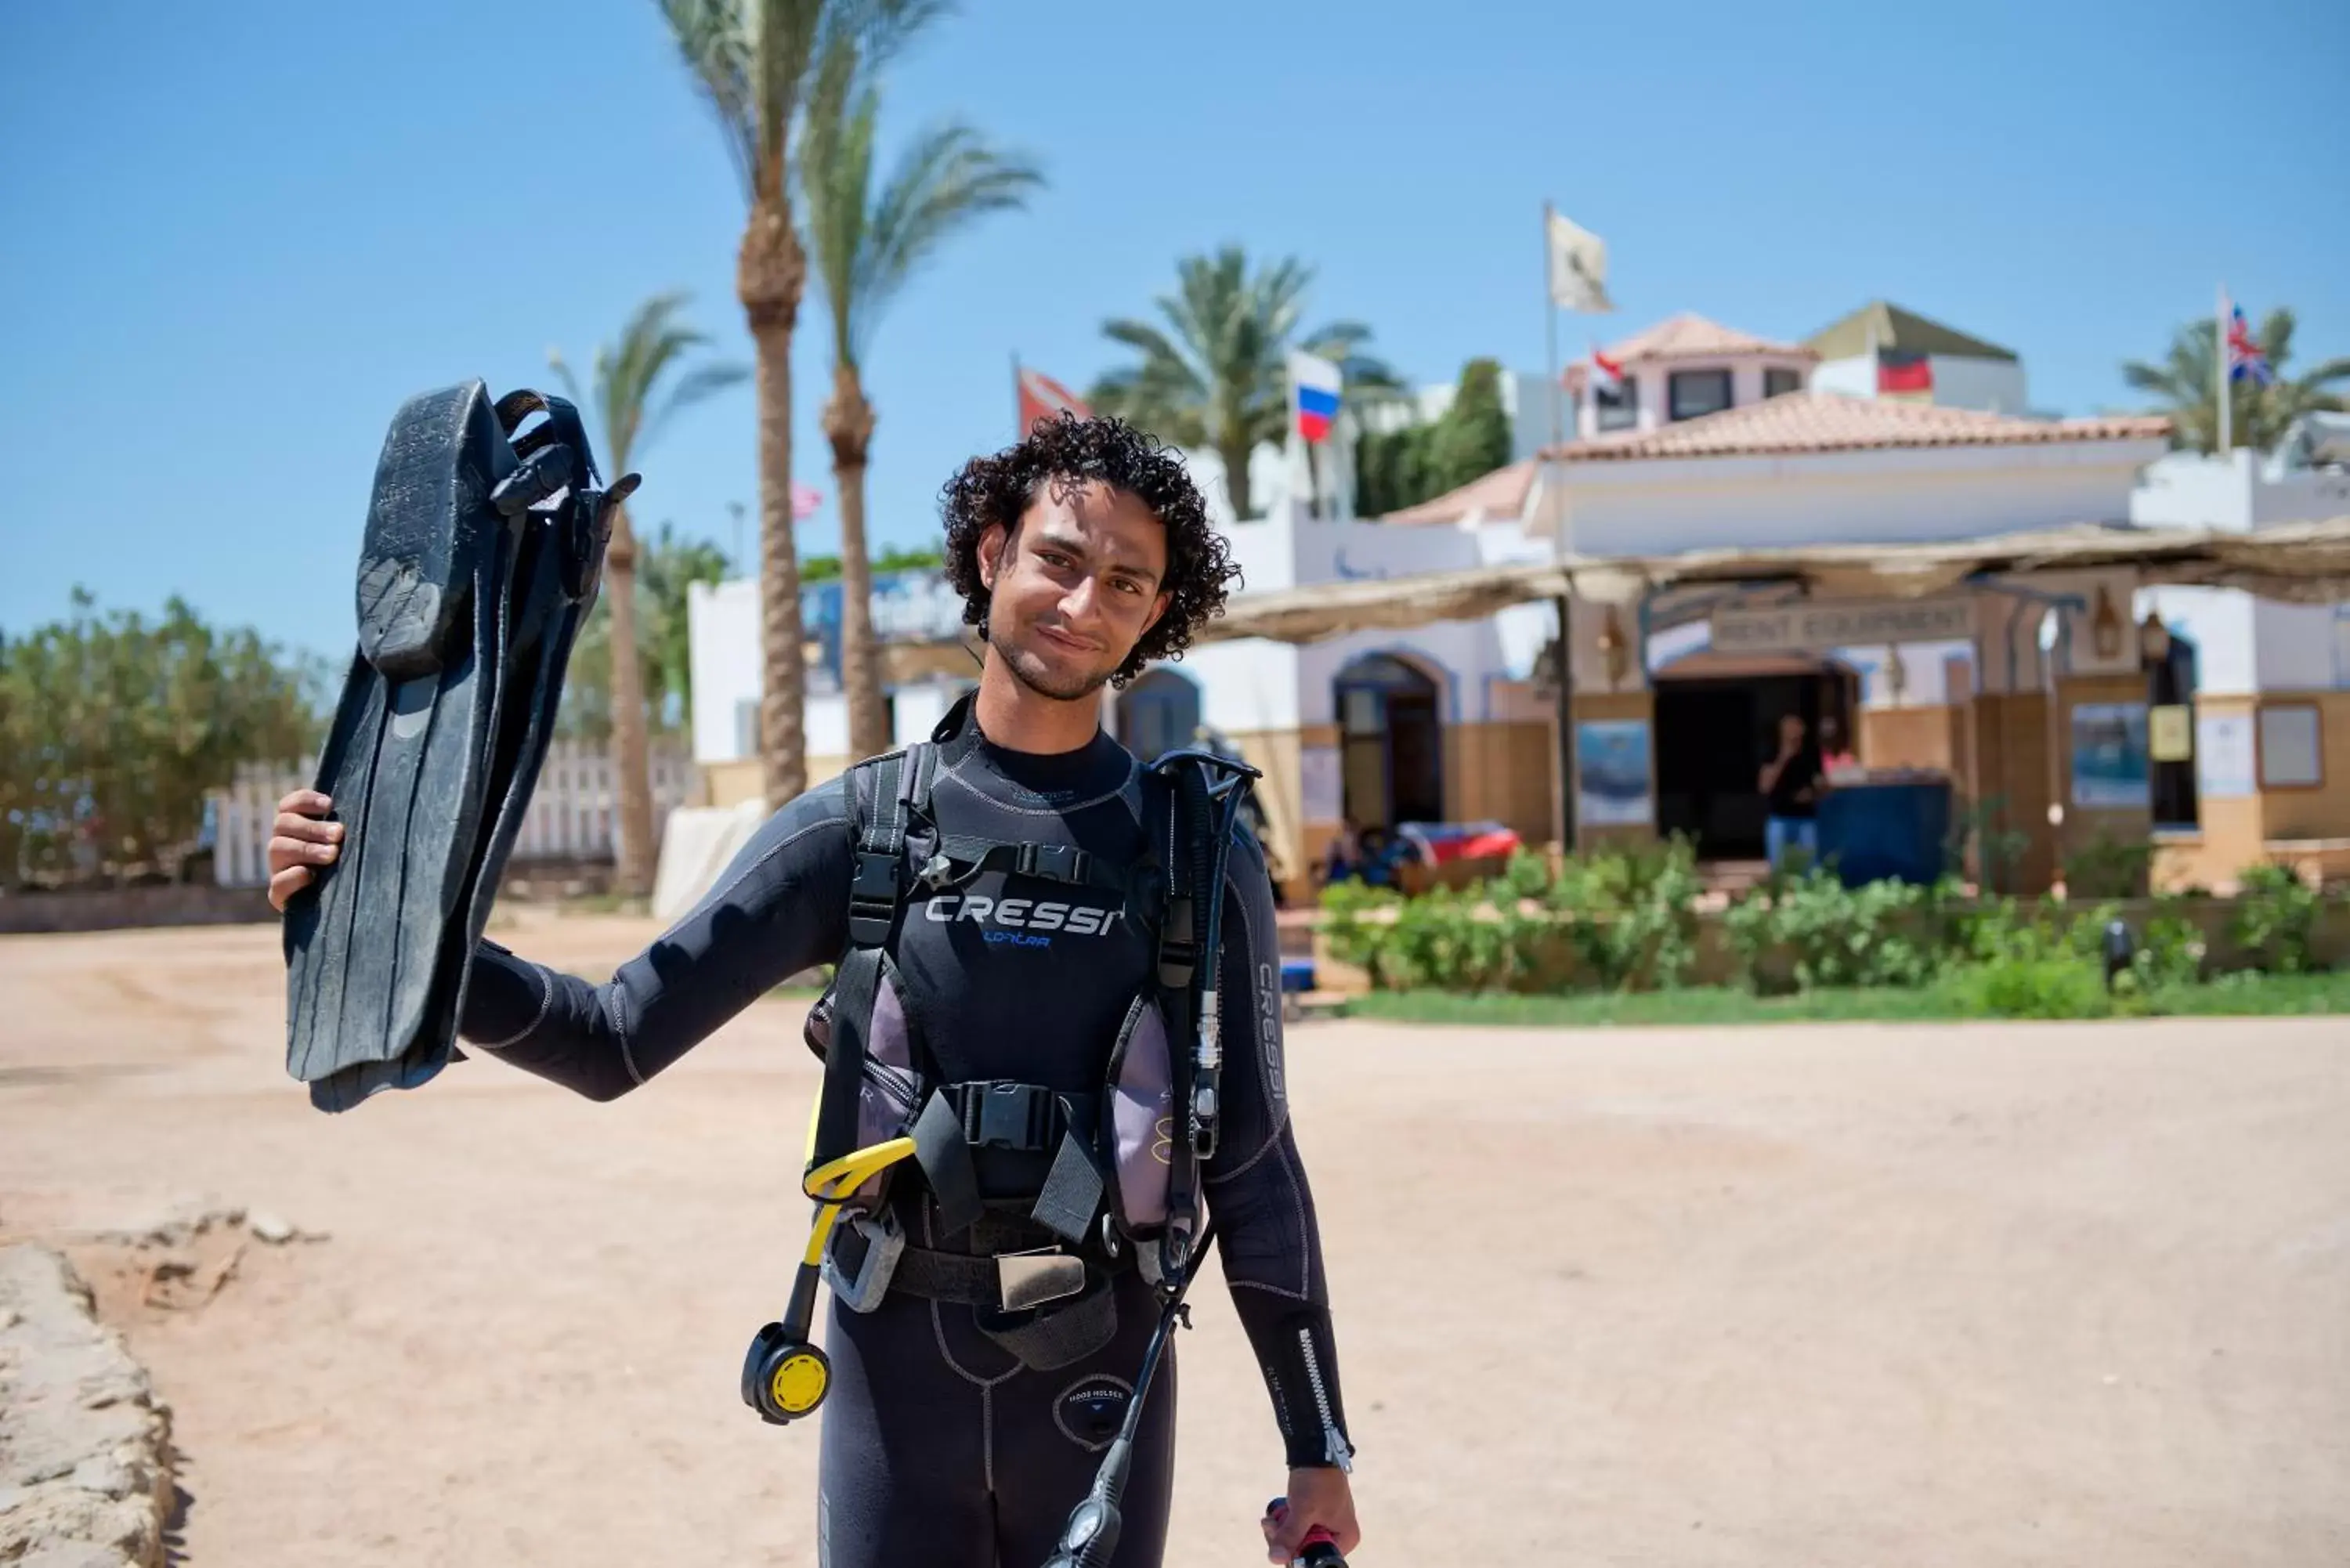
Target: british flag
[(2247, 361)]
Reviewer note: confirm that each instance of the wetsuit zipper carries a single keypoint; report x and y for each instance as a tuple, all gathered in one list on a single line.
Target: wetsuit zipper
[(1334, 1443)]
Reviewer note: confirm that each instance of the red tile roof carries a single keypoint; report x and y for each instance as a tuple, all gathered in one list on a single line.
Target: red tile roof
[(1500, 493), (1797, 423), (1690, 335)]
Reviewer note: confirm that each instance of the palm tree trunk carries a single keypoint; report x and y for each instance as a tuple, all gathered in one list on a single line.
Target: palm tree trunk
[(849, 425), (770, 273), (1236, 478), (634, 873)]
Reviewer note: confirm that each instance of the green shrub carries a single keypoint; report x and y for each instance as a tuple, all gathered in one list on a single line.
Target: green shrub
[(1629, 915), (2108, 868), (1805, 929), (2275, 918), (2048, 987)]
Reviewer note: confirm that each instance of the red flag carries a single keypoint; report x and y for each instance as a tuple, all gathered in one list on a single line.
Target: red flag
[(1904, 374), (1041, 398)]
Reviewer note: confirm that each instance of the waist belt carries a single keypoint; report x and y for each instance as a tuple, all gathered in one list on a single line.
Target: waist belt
[(1050, 1310)]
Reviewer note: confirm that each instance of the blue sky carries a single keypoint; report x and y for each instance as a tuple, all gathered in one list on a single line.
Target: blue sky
[(238, 234)]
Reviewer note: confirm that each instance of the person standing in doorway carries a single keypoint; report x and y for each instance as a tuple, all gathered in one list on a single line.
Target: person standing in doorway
[(1791, 782)]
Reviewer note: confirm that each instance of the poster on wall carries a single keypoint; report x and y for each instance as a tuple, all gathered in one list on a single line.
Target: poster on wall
[(1320, 792), (2290, 751), (2110, 760), (1611, 772), (2223, 756)]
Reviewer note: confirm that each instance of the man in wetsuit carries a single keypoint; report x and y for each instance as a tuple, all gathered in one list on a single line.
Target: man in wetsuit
[(1082, 553)]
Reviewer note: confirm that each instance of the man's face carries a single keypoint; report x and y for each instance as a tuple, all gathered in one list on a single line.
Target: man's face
[(1791, 729), (1073, 589)]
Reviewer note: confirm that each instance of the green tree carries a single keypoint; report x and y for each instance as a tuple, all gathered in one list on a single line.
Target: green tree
[(667, 568), (867, 243), (113, 728), (759, 62), (1472, 438), (1216, 375), (635, 393), (1400, 468), (2186, 382)]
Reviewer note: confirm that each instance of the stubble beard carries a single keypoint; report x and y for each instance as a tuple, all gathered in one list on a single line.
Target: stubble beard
[(1032, 672)]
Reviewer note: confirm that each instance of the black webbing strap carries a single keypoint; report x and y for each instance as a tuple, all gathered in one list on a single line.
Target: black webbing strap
[(944, 1154), (1024, 1118), (1044, 1338), (874, 895), (958, 860), (1181, 933)]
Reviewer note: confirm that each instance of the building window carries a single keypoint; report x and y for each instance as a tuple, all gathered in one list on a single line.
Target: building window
[(1693, 394), (1616, 408), (1778, 380)]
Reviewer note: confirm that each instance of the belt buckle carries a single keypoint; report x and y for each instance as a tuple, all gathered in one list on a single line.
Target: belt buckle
[(1024, 1280), (1003, 1117)]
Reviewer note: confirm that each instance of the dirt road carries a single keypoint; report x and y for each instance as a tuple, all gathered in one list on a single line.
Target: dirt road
[(1807, 1296)]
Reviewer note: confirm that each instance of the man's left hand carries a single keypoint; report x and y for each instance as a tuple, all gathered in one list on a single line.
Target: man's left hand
[(1316, 1496)]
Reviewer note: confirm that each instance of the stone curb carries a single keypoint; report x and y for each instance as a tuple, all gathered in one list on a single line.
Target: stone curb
[(85, 1465)]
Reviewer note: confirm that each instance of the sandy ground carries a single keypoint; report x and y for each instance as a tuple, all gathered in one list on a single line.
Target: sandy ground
[(1807, 1296)]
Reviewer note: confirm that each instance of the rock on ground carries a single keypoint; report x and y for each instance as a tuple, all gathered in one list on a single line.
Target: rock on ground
[(85, 1478)]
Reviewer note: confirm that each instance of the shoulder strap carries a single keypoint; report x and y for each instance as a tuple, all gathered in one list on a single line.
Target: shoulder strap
[(1178, 825), (877, 892)]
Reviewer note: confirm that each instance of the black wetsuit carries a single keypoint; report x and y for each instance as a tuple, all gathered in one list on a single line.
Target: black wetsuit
[(939, 1448)]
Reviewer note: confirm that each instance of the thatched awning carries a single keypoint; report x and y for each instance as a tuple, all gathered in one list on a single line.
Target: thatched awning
[(2304, 563)]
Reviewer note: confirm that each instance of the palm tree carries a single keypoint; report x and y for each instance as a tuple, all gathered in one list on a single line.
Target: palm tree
[(759, 62), (2186, 382), (866, 243), (631, 404), (1218, 376)]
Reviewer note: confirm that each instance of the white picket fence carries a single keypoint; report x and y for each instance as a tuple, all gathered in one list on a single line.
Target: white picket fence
[(572, 816)]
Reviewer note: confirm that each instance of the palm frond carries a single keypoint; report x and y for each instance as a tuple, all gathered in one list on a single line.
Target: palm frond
[(711, 37), (866, 243)]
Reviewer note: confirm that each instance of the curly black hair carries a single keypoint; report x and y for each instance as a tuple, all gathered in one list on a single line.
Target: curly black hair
[(1065, 450)]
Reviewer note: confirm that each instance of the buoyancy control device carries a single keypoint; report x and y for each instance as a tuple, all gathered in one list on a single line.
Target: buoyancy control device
[(1122, 1166)]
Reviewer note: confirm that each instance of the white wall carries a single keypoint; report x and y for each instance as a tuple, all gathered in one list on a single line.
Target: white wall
[(721, 637), (2296, 648), (2190, 490), (1993, 386), (1652, 506), (2220, 622)]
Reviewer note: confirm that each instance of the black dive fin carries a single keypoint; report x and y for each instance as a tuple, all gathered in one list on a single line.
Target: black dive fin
[(482, 556)]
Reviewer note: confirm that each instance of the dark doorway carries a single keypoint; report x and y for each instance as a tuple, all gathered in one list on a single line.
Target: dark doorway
[(2170, 682), (1713, 735), (1391, 744), (1157, 714)]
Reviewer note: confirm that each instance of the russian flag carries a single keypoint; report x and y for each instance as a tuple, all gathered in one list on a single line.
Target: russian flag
[(1314, 387)]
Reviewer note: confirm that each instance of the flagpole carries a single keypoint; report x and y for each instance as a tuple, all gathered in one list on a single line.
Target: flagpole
[(2220, 355), (1550, 313)]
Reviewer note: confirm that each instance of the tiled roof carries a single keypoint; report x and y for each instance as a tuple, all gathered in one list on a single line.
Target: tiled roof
[(1802, 423), (1500, 493), (1690, 335)]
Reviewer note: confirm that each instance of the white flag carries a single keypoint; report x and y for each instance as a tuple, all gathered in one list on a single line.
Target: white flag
[(1578, 268)]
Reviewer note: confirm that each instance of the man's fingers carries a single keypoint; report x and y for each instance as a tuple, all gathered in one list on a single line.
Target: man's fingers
[(286, 884), (307, 830), (285, 852), (306, 802)]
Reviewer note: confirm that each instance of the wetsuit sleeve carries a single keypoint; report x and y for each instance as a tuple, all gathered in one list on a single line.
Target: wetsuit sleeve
[(1256, 1184), (781, 907)]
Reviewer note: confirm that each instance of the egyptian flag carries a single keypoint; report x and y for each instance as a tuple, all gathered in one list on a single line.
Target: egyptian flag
[(1041, 398), (1314, 386), (1902, 375)]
